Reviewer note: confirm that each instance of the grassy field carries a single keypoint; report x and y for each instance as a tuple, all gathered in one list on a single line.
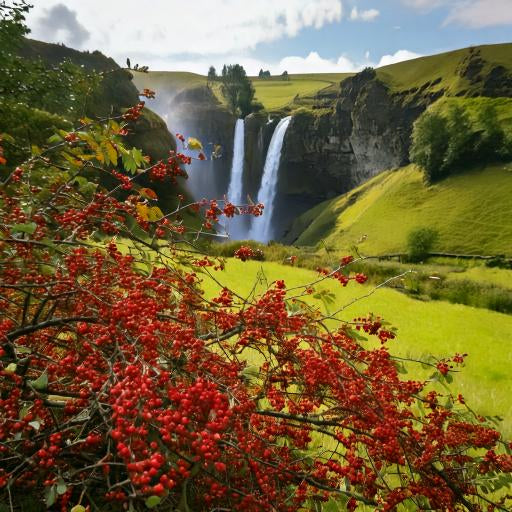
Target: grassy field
[(471, 211), (436, 328), (273, 92), (418, 72)]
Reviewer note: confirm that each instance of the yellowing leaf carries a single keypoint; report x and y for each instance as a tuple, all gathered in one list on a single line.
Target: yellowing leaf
[(150, 214), (99, 156), (143, 211), (155, 214), (111, 152), (148, 193), (193, 143)]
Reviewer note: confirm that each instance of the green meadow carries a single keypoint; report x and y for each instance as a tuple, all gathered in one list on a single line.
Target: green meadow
[(275, 93), (471, 212), (434, 327)]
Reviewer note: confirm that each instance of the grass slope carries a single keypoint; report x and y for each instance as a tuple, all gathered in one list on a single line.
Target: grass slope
[(443, 67), (436, 328), (471, 212)]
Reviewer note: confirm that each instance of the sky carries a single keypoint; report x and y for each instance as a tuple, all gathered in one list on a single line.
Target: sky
[(299, 36)]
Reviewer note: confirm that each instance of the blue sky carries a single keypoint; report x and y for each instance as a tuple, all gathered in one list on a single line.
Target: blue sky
[(296, 35)]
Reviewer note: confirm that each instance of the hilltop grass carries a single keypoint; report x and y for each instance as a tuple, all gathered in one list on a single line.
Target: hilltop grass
[(415, 73), (471, 212), (168, 80), (436, 72), (424, 328), (274, 93)]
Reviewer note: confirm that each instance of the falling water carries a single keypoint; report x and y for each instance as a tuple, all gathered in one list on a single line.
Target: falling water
[(236, 225), (261, 228)]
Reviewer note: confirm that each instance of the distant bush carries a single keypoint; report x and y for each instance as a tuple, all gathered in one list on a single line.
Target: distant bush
[(420, 242), (459, 133)]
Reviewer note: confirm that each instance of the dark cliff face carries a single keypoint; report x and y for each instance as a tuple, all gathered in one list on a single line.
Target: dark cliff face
[(198, 113), (366, 131)]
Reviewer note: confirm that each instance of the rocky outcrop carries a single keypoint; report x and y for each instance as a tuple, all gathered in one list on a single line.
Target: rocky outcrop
[(366, 131), (484, 80)]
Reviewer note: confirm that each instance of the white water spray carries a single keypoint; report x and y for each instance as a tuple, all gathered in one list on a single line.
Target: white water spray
[(261, 228), (234, 195)]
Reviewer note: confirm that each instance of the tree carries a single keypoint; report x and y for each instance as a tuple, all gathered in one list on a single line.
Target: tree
[(35, 99), (460, 138), (492, 138), (121, 382), (430, 144), (124, 387), (212, 75), (238, 90), (285, 75), (128, 63), (456, 134)]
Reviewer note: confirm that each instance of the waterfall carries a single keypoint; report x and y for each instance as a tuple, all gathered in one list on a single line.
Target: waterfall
[(234, 195), (261, 228)]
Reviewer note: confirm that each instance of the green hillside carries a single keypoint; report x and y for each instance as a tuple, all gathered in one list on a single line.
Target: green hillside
[(458, 72), (471, 211), (452, 71)]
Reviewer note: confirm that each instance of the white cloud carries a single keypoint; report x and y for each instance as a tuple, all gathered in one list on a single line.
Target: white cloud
[(398, 56), (470, 13), (481, 13), (171, 27), (311, 63), (368, 15)]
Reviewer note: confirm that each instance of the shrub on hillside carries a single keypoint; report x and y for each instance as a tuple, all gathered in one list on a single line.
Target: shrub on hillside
[(420, 242)]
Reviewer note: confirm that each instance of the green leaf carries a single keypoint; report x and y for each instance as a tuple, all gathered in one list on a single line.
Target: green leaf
[(61, 486), (55, 138), (28, 228), (7, 137), (11, 368), (152, 501), (36, 426), (41, 383), (50, 494), (128, 162)]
